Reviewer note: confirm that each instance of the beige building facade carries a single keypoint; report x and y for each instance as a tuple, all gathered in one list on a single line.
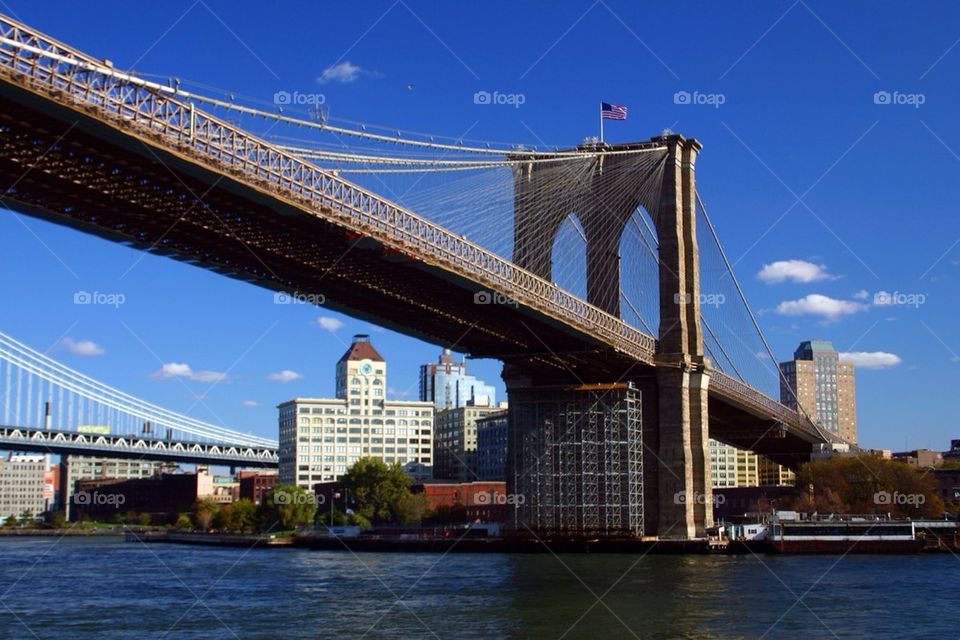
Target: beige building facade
[(823, 386), (455, 441), (320, 438)]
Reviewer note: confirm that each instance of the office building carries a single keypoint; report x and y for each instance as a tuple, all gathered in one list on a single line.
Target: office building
[(455, 441), (492, 446), (24, 486), (919, 458), (823, 386), (732, 467), (771, 474), (74, 468), (163, 496), (447, 385), (254, 485), (320, 438)]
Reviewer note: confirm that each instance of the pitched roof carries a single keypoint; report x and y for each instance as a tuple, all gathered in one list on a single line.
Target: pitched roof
[(361, 349)]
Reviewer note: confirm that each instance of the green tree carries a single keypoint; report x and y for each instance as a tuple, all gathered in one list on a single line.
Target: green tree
[(409, 508), (10, 522), (381, 492), (237, 516), (342, 519), (336, 518), (866, 484), (58, 520), (26, 517), (286, 506), (223, 520), (244, 515), (204, 510), (144, 519), (183, 522)]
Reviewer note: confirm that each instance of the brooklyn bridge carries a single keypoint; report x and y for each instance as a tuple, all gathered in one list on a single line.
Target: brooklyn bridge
[(620, 362)]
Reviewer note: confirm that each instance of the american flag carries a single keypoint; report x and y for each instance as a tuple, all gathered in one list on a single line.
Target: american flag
[(612, 111)]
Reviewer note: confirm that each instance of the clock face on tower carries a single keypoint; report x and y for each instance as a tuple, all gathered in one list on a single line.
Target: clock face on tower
[(366, 369)]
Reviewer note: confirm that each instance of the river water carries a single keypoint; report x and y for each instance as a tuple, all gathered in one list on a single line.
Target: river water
[(108, 588)]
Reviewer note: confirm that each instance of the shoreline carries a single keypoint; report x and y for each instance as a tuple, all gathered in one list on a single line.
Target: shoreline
[(509, 545), (118, 531)]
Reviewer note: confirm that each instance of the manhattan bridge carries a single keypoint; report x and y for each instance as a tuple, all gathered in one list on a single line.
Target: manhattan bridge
[(594, 273)]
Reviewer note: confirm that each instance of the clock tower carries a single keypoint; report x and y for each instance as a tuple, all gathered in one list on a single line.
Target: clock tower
[(362, 374)]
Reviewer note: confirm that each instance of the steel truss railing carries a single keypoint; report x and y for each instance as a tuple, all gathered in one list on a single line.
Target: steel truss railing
[(148, 448), (69, 77), (736, 389)]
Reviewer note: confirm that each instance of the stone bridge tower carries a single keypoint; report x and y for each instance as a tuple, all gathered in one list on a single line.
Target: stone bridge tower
[(577, 452)]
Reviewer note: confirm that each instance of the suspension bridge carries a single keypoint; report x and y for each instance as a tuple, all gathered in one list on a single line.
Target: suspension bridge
[(47, 407), (593, 272)]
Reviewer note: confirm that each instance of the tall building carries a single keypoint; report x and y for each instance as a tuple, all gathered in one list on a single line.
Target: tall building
[(732, 467), (455, 441), (74, 468), (447, 385), (23, 480), (823, 386), (320, 438), (492, 446)]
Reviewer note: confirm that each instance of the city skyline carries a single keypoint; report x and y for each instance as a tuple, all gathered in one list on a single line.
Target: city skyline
[(805, 279)]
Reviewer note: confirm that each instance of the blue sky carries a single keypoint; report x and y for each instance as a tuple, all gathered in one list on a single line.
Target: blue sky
[(803, 161)]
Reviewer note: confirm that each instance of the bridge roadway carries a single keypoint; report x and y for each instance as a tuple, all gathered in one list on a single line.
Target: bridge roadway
[(60, 442), (85, 146)]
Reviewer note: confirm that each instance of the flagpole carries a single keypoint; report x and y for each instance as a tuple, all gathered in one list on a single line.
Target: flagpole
[(601, 122)]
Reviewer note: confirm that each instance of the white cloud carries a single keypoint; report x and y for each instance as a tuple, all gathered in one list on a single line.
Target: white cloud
[(330, 323), (251, 403), (183, 370), (863, 294), (284, 376), (816, 304), (793, 270), (871, 359), (82, 347), (342, 72)]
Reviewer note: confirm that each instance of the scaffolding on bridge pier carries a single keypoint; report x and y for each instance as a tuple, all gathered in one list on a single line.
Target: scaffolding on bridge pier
[(576, 460)]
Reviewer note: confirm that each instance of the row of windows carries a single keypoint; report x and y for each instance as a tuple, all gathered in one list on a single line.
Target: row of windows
[(377, 421), (342, 411)]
